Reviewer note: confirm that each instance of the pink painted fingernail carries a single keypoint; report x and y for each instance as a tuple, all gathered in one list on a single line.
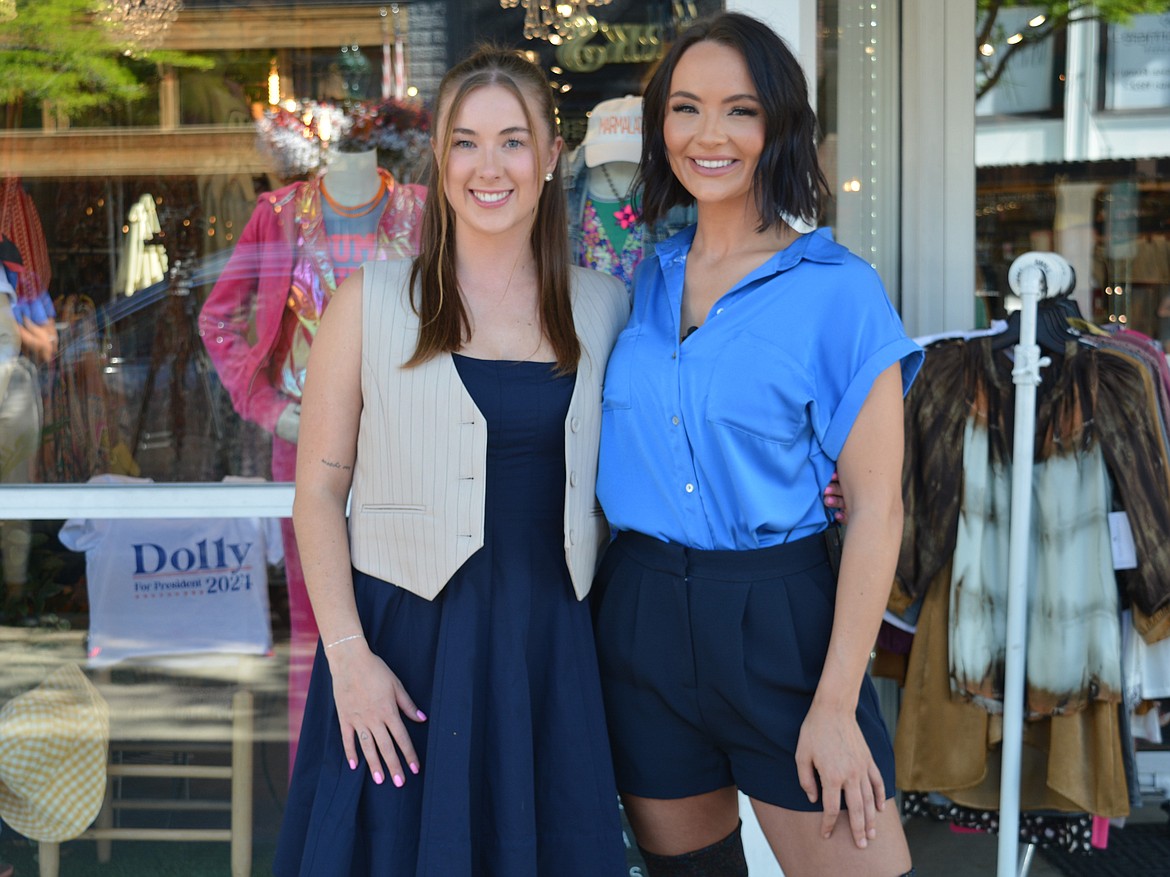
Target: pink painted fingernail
[(413, 768), (378, 778), (353, 764), (421, 715), (398, 781)]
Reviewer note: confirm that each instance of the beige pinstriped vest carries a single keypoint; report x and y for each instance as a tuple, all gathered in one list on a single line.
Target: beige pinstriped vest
[(417, 506)]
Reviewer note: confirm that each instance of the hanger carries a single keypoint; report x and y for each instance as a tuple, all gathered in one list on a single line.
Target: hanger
[(1053, 330)]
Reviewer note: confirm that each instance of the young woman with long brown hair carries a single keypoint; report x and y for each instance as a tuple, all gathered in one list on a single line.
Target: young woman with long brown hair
[(454, 726)]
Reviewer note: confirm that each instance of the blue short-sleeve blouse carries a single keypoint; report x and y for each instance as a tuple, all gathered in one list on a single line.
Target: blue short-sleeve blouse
[(726, 440)]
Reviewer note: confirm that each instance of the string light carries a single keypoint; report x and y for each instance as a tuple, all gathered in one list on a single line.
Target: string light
[(273, 84)]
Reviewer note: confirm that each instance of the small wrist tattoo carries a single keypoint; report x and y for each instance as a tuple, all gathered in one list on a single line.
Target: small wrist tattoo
[(333, 464)]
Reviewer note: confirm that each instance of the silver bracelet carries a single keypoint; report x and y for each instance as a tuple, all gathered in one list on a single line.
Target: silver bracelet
[(344, 639)]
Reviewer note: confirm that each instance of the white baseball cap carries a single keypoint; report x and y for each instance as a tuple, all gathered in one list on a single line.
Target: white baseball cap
[(614, 132)]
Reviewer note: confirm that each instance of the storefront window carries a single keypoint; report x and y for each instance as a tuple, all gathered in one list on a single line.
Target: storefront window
[(135, 188), (1020, 62), (130, 194), (1095, 192), (167, 248), (1137, 65)]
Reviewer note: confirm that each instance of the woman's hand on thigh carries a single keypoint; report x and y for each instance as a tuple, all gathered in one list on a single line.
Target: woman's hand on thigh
[(796, 841), (371, 701), (832, 748)]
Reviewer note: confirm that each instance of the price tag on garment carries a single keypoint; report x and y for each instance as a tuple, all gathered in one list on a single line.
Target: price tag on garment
[(1121, 540)]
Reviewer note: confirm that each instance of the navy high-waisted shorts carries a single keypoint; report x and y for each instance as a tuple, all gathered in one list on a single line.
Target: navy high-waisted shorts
[(709, 662)]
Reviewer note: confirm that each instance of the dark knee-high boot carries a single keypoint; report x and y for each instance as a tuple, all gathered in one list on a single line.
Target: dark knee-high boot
[(723, 858)]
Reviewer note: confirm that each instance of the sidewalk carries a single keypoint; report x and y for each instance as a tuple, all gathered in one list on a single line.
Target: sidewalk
[(938, 851)]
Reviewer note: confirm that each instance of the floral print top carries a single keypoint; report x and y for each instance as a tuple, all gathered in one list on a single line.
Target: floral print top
[(597, 252)]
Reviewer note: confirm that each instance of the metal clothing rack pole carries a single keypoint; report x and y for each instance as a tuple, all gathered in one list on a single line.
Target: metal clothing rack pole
[(1031, 276)]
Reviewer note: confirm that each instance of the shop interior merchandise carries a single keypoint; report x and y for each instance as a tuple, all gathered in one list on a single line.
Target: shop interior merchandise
[(1097, 604)]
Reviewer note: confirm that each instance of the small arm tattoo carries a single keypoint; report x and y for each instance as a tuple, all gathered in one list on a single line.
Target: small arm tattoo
[(333, 464)]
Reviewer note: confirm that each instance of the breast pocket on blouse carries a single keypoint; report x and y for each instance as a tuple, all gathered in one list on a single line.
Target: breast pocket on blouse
[(759, 390), (615, 392)]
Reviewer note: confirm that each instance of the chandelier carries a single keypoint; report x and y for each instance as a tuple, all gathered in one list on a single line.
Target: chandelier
[(140, 24), (556, 21)]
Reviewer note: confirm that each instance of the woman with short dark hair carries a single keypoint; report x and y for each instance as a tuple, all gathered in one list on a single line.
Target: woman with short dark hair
[(759, 357)]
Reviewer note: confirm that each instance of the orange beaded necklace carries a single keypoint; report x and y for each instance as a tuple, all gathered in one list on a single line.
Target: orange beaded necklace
[(357, 210)]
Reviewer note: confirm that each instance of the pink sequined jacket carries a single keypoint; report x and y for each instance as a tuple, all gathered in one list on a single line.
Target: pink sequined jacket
[(241, 321)]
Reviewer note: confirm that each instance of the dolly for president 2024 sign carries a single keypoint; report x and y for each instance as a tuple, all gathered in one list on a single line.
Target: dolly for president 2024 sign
[(176, 586)]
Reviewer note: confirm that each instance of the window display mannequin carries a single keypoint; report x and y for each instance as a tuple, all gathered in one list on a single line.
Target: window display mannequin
[(28, 334), (603, 205), (602, 213), (20, 424), (260, 318), (20, 228), (611, 239), (352, 177)]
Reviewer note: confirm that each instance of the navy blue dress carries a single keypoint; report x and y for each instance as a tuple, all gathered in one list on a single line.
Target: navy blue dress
[(516, 776)]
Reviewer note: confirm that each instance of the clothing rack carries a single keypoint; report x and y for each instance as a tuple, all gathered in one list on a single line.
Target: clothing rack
[(1032, 276)]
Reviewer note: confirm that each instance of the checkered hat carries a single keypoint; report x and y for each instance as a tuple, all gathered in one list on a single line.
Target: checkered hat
[(53, 750)]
